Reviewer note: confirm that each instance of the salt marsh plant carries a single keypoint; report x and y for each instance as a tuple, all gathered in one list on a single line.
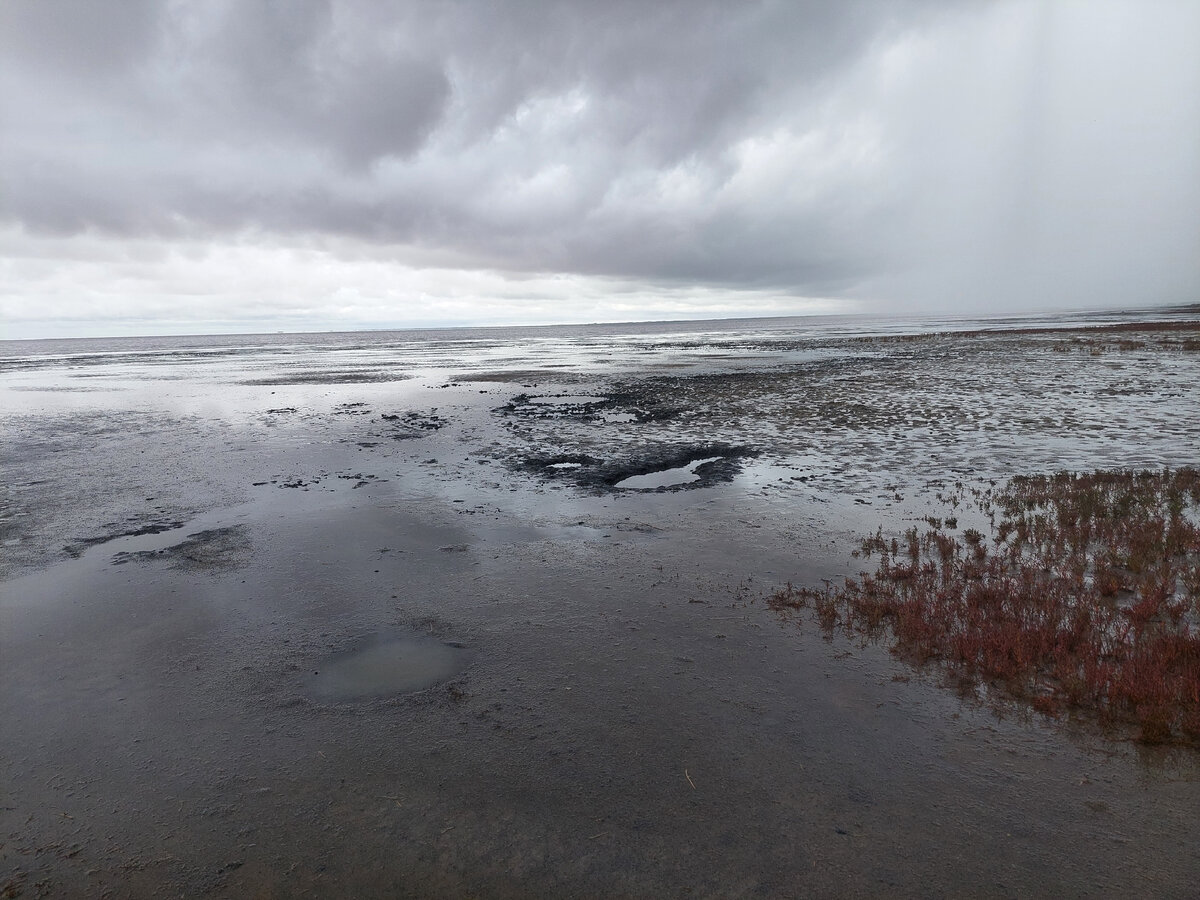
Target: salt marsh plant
[(1085, 599)]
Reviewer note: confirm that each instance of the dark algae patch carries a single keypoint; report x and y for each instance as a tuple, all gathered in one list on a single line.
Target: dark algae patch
[(1084, 599), (412, 424)]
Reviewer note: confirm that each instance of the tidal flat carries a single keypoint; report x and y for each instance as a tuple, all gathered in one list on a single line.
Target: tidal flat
[(418, 614)]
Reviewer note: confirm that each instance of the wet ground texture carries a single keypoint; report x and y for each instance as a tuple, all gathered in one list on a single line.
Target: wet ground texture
[(407, 624)]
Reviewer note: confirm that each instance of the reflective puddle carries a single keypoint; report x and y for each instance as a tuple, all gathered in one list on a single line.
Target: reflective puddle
[(685, 474), (385, 666)]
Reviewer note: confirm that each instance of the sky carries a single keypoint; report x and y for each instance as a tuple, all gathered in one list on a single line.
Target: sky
[(194, 166)]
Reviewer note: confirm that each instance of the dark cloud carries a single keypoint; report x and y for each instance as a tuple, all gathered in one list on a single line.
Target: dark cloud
[(894, 148), (78, 39), (307, 117)]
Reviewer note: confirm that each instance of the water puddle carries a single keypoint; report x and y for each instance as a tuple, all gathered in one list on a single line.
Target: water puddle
[(684, 474), (385, 666)]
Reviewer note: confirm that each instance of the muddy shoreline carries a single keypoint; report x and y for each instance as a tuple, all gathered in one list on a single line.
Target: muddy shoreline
[(618, 711)]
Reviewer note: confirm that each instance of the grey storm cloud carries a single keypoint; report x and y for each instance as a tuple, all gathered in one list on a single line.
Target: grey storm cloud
[(823, 147), (525, 134)]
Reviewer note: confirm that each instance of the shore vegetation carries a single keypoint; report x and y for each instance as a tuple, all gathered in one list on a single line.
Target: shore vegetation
[(1083, 600)]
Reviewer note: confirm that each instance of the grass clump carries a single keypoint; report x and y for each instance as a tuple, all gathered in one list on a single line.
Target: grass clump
[(1085, 598)]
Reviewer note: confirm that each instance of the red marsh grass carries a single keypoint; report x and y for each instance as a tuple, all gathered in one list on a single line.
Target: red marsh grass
[(1085, 598)]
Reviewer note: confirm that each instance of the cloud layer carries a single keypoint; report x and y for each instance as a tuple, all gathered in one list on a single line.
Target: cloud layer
[(919, 155)]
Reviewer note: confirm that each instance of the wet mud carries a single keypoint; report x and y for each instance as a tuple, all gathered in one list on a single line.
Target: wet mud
[(328, 378), (409, 425), (212, 550), (79, 545), (387, 665), (446, 654)]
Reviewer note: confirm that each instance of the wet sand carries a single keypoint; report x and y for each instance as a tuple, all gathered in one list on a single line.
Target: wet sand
[(614, 711)]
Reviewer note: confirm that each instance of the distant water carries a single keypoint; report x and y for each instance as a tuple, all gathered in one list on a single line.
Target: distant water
[(20, 353)]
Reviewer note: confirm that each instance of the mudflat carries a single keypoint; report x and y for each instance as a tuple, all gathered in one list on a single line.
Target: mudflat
[(391, 616)]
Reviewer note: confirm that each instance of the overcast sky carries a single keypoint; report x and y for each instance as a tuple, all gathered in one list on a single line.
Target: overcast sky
[(198, 165)]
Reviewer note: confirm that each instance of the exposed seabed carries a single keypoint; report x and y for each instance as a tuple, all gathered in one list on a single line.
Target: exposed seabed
[(284, 624)]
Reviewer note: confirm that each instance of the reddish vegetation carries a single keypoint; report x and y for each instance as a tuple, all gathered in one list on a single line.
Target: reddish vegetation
[(1086, 598)]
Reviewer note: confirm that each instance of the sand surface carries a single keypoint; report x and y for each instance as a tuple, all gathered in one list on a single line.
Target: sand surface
[(375, 620)]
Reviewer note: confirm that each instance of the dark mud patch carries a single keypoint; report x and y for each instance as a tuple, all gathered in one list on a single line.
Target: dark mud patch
[(385, 665), (76, 548), (600, 407), (408, 425), (361, 479), (213, 550), (327, 377), (524, 377), (700, 466)]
